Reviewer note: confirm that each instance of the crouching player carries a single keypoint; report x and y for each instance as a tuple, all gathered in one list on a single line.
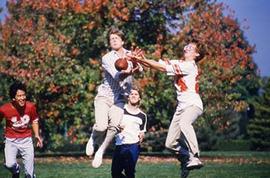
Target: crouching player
[(132, 126), (20, 115)]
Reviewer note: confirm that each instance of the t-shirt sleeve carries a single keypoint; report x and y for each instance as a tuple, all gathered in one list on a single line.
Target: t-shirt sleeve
[(144, 123), (178, 68)]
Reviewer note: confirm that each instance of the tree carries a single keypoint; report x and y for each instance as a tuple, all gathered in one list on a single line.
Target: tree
[(56, 46), (259, 126)]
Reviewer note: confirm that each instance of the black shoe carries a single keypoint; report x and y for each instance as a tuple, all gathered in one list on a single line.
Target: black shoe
[(16, 175), (184, 170)]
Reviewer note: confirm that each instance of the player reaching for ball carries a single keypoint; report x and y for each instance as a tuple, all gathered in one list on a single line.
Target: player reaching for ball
[(181, 137), (110, 99)]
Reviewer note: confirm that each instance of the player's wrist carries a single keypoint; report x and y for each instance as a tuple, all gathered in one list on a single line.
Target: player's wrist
[(37, 136)]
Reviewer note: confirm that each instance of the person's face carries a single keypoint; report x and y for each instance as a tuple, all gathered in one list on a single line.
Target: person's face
[(20, 97), (190, 51), (134, 97), (116, 42)]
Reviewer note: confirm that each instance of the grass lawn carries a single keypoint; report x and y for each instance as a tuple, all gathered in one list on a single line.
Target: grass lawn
[(67, 167)]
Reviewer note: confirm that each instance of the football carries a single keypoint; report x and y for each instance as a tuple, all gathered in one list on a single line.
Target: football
[(121, 64)]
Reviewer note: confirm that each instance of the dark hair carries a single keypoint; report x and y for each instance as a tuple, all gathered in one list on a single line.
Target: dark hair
[(201, 56), (15, 87), (115, 31)]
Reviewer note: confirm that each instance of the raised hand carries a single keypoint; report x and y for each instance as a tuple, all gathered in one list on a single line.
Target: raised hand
[(135, 54)]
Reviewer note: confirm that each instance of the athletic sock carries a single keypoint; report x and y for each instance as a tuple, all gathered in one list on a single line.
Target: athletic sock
[(111, 132)]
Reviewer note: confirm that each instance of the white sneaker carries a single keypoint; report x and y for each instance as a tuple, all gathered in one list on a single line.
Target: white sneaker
[(194, 163), (89, 150), (97, 161)]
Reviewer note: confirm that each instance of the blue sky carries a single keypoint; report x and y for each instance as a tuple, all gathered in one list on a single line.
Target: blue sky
[(257, 14)]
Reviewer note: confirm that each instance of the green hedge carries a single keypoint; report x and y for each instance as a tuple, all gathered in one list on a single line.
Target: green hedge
[(233, 145)]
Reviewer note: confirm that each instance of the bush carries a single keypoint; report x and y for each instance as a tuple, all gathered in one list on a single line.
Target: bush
[(233, 145)]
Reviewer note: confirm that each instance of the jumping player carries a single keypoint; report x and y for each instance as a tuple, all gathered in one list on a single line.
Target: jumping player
[(20, 115), (128, 141), (109, 101), (181, 137)]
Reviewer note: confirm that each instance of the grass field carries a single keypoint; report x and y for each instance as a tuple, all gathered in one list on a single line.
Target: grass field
[(216, 166)]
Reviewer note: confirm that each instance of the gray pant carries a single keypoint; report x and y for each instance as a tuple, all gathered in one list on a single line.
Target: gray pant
[(24, 147), (108, 115), (181, 130)]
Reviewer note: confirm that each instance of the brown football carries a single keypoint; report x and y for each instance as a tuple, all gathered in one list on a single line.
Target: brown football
[(121, 64)]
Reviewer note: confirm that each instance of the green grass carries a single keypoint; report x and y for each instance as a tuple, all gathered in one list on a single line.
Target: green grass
[(246, 154), (217, 165), (148, 170)]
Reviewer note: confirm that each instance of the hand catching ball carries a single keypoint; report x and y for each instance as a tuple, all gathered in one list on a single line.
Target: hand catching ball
[(121, 64)]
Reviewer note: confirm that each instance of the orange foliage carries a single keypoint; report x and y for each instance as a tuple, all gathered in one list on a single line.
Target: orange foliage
[(87, 6), (143, 82)]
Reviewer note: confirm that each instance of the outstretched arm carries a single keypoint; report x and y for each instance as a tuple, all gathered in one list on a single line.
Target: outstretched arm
[(151, 63)]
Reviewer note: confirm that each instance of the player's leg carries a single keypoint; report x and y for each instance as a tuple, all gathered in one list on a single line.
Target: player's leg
[(184, 156), (94, 141), (174, 132), (27, 152), (188, 117), (11, 164), (131, 157), (117, 163), (115, 116), (102, 106)]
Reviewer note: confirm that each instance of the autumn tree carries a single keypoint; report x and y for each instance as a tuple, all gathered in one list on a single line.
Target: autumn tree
[(56, 46)]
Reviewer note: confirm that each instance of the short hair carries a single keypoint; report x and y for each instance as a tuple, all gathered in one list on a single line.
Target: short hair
[(115, 31), (199, 49), (15, 87), (136, 88), (201, 56)]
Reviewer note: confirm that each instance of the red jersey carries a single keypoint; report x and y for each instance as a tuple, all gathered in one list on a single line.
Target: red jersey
[(19, 126)]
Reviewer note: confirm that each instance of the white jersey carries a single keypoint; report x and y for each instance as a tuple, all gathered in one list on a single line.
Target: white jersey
[(133, 125), (185, 81), (112, 86)]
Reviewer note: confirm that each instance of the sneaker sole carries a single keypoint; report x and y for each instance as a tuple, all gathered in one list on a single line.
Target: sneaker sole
[(96, 164), (88, 150), (195, 167)]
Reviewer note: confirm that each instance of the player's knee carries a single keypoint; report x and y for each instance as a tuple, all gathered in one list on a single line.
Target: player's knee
[(9, 165), (101, 128), (114, 125), (168, 144)]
